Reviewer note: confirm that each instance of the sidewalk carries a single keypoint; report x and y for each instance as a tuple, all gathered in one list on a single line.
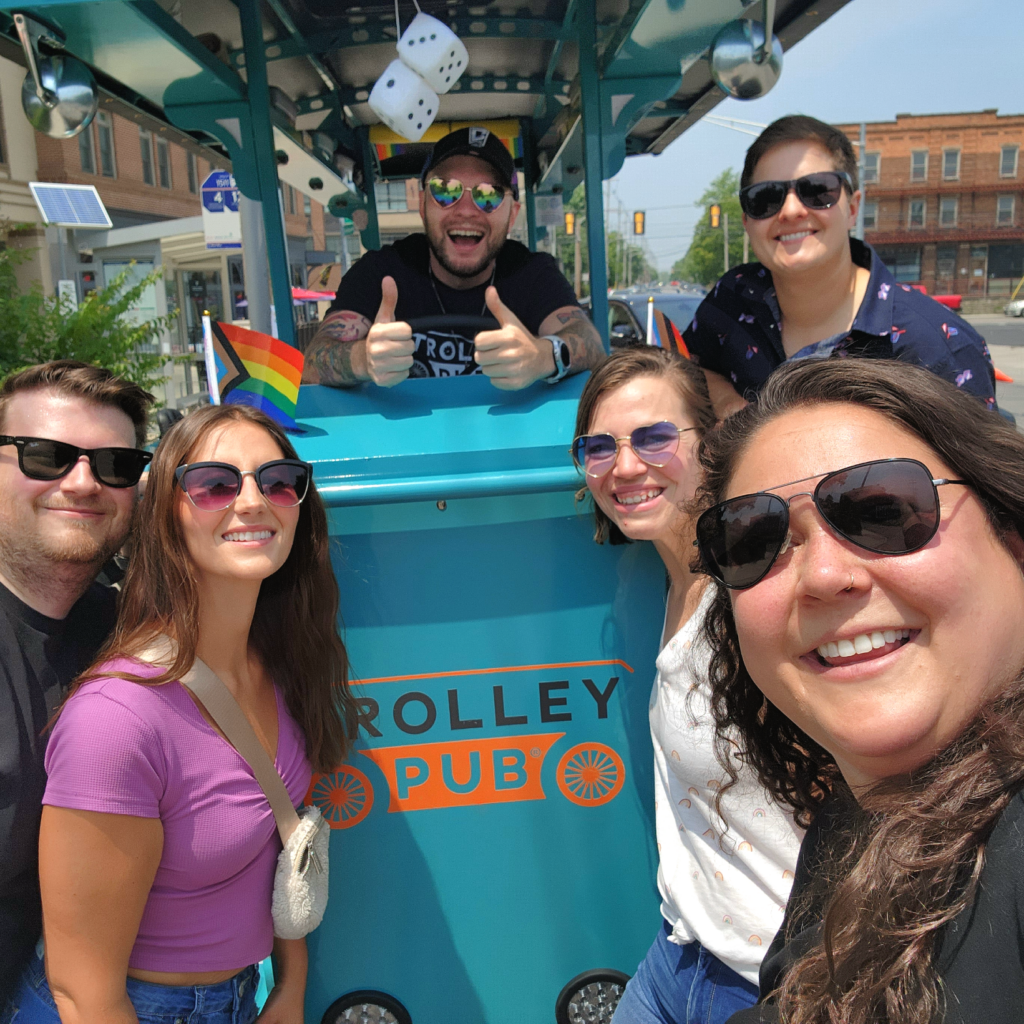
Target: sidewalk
[(1010, 359)]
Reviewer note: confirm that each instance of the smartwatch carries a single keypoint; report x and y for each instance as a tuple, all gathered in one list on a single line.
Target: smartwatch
[(563, 358)]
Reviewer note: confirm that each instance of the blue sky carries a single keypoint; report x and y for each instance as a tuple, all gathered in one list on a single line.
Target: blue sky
[(872, 60)]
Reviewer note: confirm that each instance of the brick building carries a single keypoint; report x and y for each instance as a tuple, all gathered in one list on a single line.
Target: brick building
[(944, 200)]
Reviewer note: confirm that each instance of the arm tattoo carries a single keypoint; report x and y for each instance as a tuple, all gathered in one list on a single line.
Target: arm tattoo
[(329, 354), (585, 347)]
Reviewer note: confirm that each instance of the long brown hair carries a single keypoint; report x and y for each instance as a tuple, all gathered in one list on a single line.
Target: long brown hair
[(294, 630), (908, 858), (620, 368)]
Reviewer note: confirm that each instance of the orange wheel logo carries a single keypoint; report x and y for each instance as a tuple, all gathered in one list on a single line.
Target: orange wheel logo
[(344, 797), (590, 774)]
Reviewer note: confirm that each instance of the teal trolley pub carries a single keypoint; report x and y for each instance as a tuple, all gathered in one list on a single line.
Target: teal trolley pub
[(492, 837)]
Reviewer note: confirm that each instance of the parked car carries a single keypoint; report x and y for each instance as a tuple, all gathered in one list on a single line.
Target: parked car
[(674, 308), (1014, 308)]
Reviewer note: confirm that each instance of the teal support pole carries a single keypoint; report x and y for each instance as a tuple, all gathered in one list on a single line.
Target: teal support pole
[(371, 233), (266, 167), (590, 108), (529, 198)]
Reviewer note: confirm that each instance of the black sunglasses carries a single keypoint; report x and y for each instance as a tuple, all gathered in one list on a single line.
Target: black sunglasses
[(817, 191), (213, 486), (39, 458), (889, 507)]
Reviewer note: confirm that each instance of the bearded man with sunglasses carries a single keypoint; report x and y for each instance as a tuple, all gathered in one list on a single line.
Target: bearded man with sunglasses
[(464, 265), (816, 292), (70, 462)]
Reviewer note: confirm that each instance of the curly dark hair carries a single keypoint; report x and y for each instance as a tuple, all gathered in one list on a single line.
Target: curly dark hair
[(620, 368), (908, 859)]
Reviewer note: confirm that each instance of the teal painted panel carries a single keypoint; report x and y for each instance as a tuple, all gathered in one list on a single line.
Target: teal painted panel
[(669, 32), (493, 830), (157, 58)]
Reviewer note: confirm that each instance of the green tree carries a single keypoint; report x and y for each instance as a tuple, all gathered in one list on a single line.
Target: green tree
[(35, 328), (704, 260)]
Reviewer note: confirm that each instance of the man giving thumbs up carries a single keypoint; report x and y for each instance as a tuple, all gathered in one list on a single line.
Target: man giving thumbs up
[(464, 265)]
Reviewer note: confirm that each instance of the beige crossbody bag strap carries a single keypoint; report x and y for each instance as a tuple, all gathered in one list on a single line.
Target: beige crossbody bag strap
[(224, 710)]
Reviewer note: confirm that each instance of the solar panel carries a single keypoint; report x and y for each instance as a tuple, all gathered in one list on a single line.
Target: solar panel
[(70, 206)]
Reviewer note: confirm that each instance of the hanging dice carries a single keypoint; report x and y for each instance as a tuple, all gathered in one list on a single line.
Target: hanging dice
[(433, 51), (403, 101)]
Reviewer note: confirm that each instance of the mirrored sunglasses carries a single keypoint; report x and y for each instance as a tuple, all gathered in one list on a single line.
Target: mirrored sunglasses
[(654, 445), (40, 458), (888, 507), (447, 193), (214, 486), (818, 191)]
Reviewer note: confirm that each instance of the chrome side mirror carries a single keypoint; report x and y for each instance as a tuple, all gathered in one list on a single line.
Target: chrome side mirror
[(746, 58), (59, 94)]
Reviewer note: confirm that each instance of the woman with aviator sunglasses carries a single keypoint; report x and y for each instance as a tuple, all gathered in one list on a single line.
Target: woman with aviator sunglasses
[(724, 865), (863, 522), (815, 291), (158, 846)]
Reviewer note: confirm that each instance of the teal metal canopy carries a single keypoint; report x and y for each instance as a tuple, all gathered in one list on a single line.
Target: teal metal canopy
[(591, 81)]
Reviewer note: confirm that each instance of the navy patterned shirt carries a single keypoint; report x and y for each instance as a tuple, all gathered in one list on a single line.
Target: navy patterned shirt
[(736, 331)]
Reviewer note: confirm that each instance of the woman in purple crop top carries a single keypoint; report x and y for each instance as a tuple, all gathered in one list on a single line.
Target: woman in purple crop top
[(158, 847)]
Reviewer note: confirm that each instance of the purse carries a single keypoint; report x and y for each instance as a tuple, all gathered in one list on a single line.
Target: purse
[(300, 880)]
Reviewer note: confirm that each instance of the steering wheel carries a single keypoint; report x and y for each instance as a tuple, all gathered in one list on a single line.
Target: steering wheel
[(456, 323)]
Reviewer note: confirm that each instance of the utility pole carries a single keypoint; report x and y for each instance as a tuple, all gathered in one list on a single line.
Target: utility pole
[(725, 236), (861, 160)]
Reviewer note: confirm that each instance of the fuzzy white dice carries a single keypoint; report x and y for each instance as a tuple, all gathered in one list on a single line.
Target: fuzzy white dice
[(403, 101), (433, 51)]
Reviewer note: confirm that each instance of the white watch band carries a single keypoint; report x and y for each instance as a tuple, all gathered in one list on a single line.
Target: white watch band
[(561, 366)]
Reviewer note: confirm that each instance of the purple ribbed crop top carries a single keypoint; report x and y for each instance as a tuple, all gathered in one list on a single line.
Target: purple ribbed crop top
[(124, 748)]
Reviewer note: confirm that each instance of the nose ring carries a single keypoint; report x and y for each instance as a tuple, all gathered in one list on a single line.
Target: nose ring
[(850, 587)]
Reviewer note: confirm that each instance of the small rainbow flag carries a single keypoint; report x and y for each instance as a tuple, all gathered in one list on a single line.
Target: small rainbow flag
[(387, 144), (666, 335), (258, 370)]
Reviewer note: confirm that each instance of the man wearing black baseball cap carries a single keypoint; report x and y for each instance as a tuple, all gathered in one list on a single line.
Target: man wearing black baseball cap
[(464, 265)]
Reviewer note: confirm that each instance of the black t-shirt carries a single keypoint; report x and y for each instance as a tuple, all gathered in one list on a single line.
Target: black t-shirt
[(39, 656), (529, 283), (979, 955)]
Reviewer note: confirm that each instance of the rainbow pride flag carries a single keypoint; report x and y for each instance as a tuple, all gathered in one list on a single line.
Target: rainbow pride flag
[(258, 370), (387, 144)]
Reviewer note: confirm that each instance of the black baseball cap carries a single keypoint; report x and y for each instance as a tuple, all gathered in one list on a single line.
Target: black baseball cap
[(481, 143)]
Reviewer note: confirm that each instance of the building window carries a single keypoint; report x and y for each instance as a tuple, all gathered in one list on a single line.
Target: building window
[(919, 165), (1004, 210), (951, 164), (918, 208), (945, 261), (391, 195), (193, 172), (870, 215), (291, 199), (947, 211), (307, 206), (163, 162), (903, 262), (1008, 162), (105, 129), (872, 166), (86, 151), (146, 150)]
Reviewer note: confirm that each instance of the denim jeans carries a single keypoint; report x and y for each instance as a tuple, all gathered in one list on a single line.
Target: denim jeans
[(231, 1002), (682, 985)]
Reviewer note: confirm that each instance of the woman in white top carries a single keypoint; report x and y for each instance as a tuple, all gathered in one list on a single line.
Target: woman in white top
[(726, 866)]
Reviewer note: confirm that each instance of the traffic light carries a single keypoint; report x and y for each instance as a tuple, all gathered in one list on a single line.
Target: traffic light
[(716, 213), (570, 223), (639, 216)]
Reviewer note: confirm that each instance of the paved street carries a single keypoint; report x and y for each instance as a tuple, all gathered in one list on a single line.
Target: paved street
[(1010, 359), (998, 329)]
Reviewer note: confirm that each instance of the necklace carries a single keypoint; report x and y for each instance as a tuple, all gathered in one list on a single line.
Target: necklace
[(433, 284)]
